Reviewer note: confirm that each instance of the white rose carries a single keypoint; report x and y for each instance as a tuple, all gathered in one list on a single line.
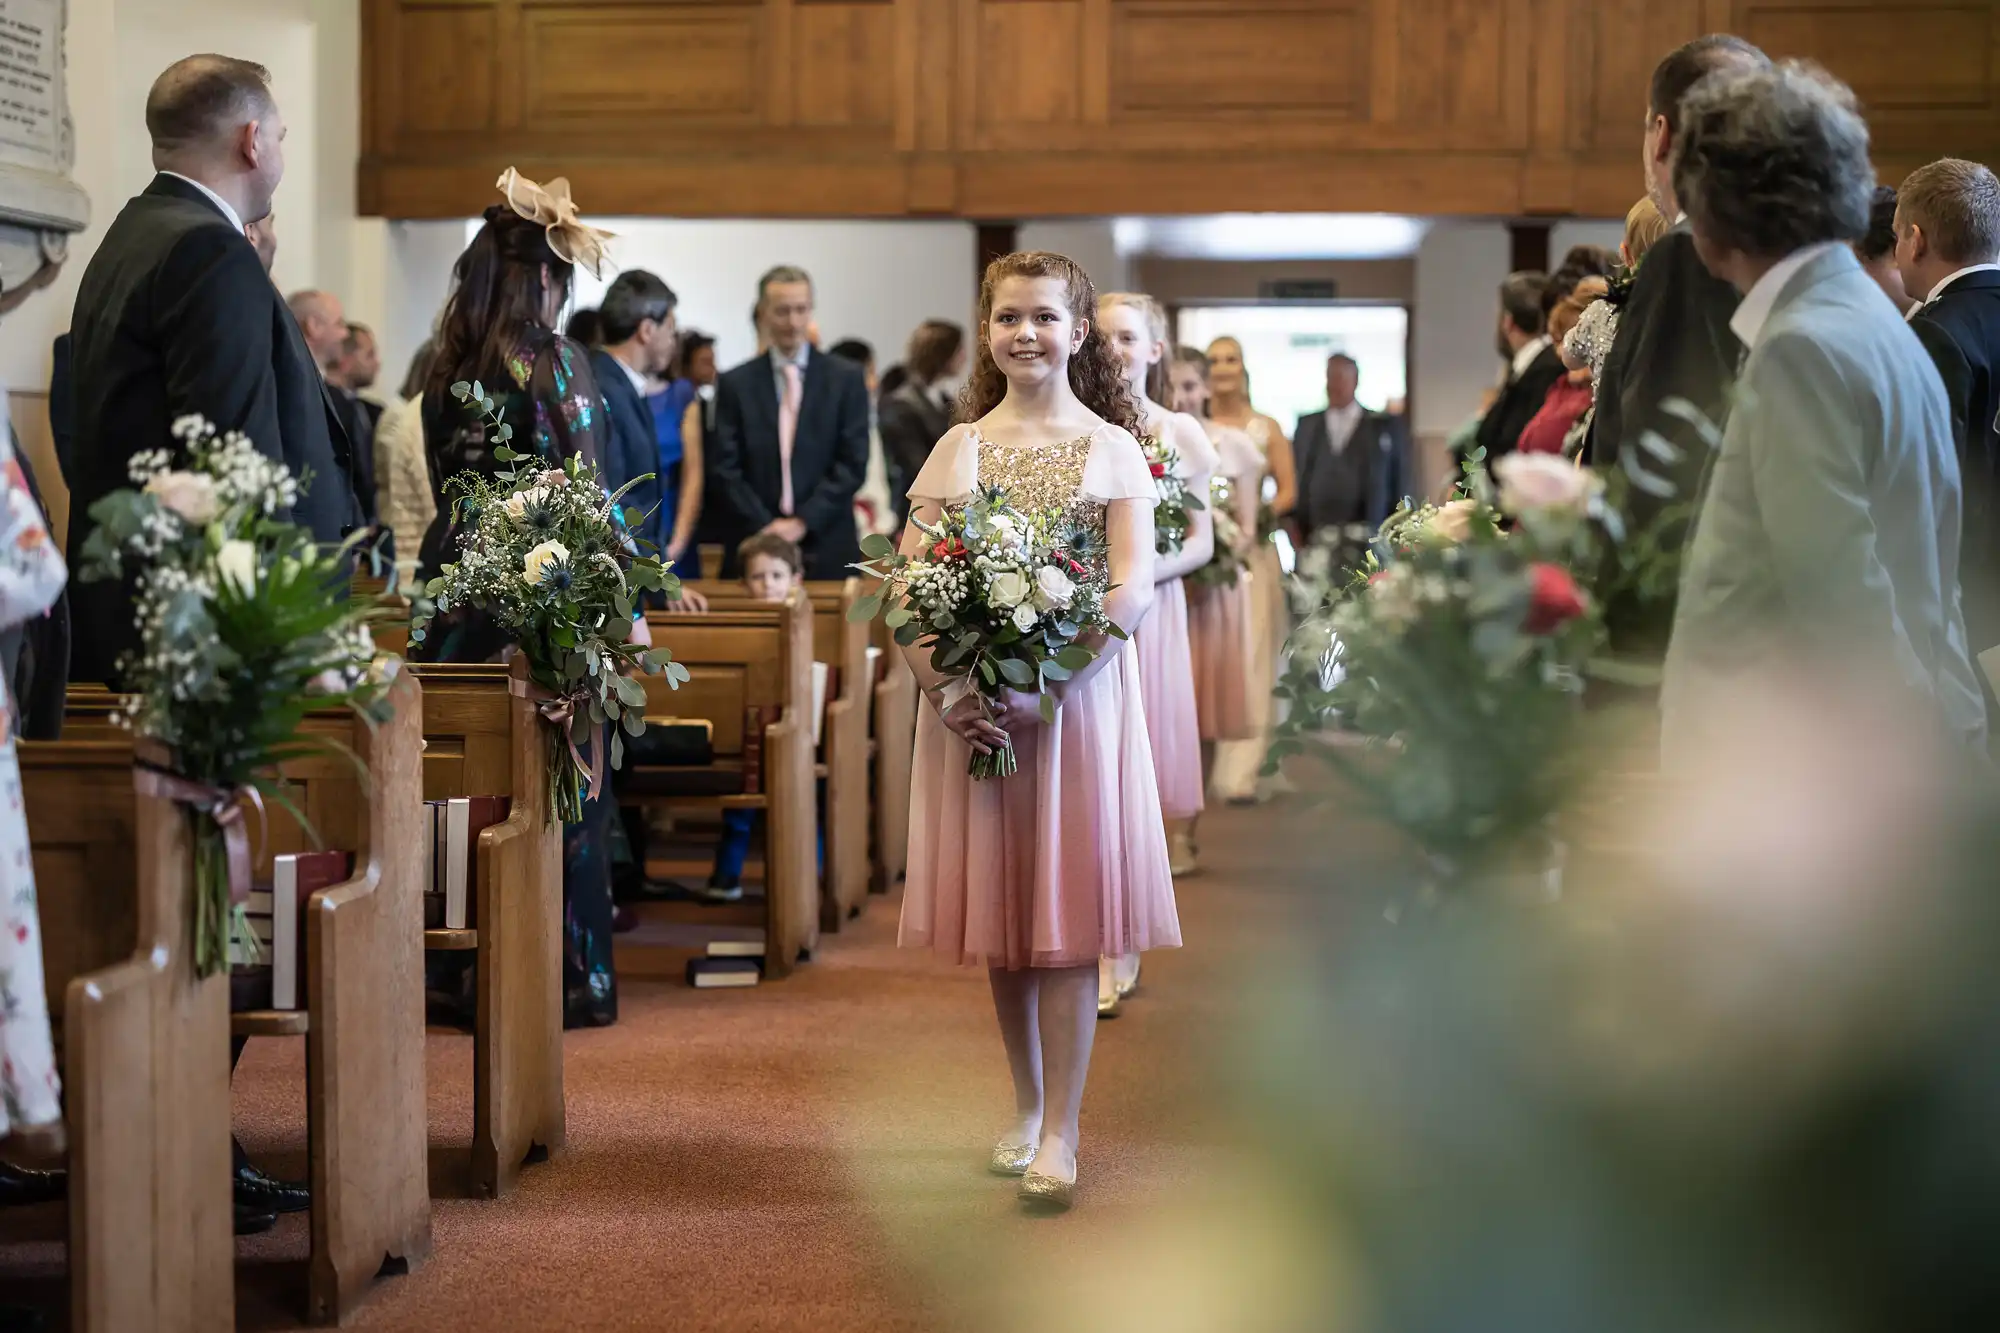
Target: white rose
[(1008, 589), (189, 494), (537, 561), (1006, 532), (1054, 586), (1541, 481), (236, 565), (1454, 521), (1025, 617)]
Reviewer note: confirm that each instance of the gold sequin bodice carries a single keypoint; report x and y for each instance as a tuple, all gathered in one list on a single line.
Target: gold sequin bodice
[(1043, 477)]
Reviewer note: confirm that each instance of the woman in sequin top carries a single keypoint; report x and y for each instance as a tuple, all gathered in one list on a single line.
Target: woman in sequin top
[(499, 328), (1038, 875)]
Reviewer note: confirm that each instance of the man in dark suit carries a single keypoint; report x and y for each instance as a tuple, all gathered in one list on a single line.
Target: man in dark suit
[(1533, 364), (1351, 464), (323, 324), (1673, 343), (637, 324), (1948, 249), (224, 346), (791, 437)]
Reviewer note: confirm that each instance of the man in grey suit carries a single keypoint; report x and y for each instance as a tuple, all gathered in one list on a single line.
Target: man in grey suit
[(1827, 540), (1350, 463)]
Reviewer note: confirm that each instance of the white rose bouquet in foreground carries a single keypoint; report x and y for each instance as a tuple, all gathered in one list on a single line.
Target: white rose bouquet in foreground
[(546, 555), (242, 632), (1001, 596)]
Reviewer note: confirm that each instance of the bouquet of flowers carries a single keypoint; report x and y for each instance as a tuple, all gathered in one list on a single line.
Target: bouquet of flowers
[(1001, 595), (1177, 502), (1463, 638), (242, 632), (546, 556), (1226, 566)]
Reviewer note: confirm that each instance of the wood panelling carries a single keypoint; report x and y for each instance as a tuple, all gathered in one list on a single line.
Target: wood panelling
[(1015, 108)]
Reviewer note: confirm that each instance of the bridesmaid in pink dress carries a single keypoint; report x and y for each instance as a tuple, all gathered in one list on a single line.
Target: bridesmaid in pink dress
[(1219, 617), (1040, 874)]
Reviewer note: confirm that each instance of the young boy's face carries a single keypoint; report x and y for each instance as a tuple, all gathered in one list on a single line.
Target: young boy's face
[(768, 578)]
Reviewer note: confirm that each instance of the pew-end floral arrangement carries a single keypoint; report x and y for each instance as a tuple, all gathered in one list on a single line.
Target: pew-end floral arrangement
[(242, 632), (548, 556), (1003, 597)]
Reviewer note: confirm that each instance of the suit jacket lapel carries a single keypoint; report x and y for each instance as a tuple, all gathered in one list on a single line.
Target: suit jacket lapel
[(761, 407), (812, 391)]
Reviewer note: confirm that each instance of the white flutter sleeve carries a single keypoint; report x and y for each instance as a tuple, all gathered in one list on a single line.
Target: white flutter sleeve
[(1116, 469), (1198, 456), (951, 474)]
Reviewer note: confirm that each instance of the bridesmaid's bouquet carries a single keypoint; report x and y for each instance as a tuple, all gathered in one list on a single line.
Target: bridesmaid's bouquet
[(545, 554), (1001, 595), (242, 631), (1171, 516), (1226, 566)]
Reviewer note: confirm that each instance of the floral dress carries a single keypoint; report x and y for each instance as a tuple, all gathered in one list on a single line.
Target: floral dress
[(548, 395), (31, 578)]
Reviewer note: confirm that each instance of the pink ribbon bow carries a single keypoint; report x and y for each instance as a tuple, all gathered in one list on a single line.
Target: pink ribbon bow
[(557, 711)]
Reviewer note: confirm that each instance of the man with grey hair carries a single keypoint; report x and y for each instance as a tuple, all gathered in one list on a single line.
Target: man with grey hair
[(791, 437), (1827, 540), (224, 347)]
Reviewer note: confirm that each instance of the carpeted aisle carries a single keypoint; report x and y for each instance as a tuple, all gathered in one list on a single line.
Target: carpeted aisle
[(807, 1155)]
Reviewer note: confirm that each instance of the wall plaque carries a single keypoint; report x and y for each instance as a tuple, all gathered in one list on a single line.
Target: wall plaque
[(40, 206)]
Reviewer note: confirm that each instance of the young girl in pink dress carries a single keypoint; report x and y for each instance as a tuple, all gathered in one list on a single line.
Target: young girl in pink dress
[(1136, 328), (1219, 615), (1040, 874)]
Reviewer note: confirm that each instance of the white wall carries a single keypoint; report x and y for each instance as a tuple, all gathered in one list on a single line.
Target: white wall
[(1585, 231), (874, 280), (1459, 268), (1091, 242)]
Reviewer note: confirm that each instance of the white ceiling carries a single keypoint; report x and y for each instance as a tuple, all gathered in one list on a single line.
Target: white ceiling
[(1252, 236)]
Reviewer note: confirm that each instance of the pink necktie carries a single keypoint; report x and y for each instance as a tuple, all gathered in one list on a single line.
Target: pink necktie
[(788, 429)]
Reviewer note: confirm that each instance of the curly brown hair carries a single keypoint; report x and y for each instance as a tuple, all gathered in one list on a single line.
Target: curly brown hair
[(1094, 373)]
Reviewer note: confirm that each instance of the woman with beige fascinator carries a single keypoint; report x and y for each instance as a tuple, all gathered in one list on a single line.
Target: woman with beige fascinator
[(500, 326)]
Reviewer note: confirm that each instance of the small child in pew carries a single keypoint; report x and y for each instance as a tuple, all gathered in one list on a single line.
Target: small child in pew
[(771, 567)]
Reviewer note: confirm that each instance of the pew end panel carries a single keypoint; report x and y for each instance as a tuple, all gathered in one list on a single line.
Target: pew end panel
[(896, 706)]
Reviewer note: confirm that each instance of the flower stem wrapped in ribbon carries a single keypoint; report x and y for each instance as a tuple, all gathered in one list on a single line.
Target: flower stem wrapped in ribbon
[(547, 554), (1003, 598)]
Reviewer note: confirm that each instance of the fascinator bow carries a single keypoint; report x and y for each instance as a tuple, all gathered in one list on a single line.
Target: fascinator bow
[(569, 235)]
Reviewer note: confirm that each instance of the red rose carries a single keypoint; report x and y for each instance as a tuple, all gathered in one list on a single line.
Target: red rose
[(1159, 469), (1553, 598), (949, 549)]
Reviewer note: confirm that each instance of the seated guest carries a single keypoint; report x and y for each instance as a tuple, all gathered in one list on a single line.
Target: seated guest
[(1533, 365), (640, 335), (1877, 251), (791, 436), (1556, 428), (1948, 249), (1828, 535), (771, 569), (916, 413), (1352, 465)]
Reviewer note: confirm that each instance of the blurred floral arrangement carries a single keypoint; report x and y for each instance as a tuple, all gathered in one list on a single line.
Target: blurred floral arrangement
[(545, 554), (241, 634), (1458, 646), (1171, 517), (1226, 566)]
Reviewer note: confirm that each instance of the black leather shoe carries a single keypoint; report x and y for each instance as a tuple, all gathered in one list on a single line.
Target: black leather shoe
[(22, 1188), (259, 1193), (251, 1221)]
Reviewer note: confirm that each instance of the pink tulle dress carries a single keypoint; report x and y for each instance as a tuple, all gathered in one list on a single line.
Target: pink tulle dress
[(1219, 624), (1065, 861), (1166, 668)]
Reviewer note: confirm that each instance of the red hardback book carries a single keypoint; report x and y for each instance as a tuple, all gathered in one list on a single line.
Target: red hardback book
[(294, 879), (755, 718), (464, 819)]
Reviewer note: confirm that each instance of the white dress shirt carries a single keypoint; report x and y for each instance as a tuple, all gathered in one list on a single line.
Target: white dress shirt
[(1526, 357), (214, 198), (779, 361), (638, 380), (1939, 290), (1750, 318), (1341, 423)]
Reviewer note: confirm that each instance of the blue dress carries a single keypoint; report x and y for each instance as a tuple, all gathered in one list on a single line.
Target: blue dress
[(669, 406)]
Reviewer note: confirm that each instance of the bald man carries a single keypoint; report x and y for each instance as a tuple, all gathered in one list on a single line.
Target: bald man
[(176, 315), (323, 324)]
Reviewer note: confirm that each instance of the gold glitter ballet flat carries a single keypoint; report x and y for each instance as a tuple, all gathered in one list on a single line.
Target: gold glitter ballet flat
[(1046, 1193), (1011, 1159), (1126, 988), (1107, 1005)]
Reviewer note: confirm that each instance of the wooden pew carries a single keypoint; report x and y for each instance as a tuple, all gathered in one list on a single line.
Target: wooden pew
[(145, 1046), (363, 990), (481, 740), (845, 744), (896, 705), (753, 655)]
